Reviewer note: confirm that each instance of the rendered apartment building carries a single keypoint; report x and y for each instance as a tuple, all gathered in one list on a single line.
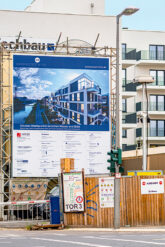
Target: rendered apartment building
[(143, 53), (81, 103)]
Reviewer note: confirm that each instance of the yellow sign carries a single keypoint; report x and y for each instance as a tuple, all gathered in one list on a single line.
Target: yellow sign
[(145, 173)]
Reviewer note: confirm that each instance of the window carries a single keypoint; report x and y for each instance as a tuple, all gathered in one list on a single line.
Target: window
[(78, 96), (160, 103), (78, 118), (73, 115), (153, 128), (91, 97), (72, 97), (124, 47), (157, 128), (152, 103), (160, 128), (157, 103), (159, 76), (156, 52), (124, 133), (82, 107), (123, 78), (124, 105)]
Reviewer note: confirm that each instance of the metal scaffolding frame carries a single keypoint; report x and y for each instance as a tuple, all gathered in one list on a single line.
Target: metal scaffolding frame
[(6, 59)]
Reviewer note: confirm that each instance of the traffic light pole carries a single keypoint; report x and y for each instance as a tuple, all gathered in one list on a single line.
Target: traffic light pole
[(118, 126), (117, 201)]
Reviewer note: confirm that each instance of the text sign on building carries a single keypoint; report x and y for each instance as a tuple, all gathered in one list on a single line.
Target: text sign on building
[(106, 192), (73, 192), (152, 186), (60, 110)]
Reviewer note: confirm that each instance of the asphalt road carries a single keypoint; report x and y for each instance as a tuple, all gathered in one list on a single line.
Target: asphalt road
[(64, 238)]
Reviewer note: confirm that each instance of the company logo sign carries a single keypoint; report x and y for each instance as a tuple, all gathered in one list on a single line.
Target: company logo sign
[(28, 46)]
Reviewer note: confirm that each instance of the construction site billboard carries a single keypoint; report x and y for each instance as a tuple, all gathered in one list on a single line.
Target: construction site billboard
[(60, 110)]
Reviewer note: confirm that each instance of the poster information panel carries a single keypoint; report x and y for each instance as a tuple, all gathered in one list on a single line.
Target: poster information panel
[(60, 110), (106, 192), (73, 192)]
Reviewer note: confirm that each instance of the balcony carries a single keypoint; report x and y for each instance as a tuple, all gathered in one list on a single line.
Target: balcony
[(154, 134), (149, 55), (139, 132), (154, 108), (93, 113), (95, 88), (129, 121), (128, 89), (128, 57), (129, 86), (129, 54), (64, 100), (146, 57), (126, 147)]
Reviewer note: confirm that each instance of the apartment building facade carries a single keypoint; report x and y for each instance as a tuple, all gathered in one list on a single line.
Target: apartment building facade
[(80, 102), (143, 53)]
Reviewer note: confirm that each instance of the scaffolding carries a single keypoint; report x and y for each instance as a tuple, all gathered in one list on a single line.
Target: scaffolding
[(6, 65)]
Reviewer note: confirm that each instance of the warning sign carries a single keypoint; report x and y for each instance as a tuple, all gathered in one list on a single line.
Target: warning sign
[(73, 191), (79, 199), (152, 186)]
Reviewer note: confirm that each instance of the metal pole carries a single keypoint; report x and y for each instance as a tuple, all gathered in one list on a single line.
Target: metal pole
[(118, 87), (144, 129), (118, 126)]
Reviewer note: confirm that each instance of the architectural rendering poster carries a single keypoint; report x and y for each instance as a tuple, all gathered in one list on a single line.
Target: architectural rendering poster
[(60, 110)]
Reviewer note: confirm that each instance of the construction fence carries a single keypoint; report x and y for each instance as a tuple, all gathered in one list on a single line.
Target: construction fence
[(136, 209)]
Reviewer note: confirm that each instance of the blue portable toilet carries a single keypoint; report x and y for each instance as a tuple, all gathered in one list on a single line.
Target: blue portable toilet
[(55, 210)]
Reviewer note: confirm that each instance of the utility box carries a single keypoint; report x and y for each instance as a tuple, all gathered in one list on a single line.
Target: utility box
[(55, 210)]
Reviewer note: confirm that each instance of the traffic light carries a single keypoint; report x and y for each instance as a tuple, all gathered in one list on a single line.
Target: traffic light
[(115, 158)]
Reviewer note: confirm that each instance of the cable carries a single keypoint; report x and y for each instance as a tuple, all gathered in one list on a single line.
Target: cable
[(147, 119)]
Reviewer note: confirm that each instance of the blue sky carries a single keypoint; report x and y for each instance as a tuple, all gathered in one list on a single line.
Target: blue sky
[(150, 17), (35, 83)]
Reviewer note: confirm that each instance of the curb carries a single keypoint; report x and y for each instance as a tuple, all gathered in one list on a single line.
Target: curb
[(143, 229)]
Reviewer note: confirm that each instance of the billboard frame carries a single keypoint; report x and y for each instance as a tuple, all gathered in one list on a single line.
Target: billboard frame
[(6, 105)]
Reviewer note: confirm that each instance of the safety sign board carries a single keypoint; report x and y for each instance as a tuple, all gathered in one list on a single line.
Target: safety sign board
[(73, 192), (106, 192), (152, 186)]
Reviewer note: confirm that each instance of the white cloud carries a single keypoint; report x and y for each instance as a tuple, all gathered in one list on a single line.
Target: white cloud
[(15, 73), (72, 76), (51, 72), (30, 81), (24, 73), (47, 82)]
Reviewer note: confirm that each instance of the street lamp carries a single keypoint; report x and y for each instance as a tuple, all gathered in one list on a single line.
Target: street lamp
[(127, 11), (144, 80)]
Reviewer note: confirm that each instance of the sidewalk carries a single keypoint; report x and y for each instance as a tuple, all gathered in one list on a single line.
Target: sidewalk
[(122, 229)]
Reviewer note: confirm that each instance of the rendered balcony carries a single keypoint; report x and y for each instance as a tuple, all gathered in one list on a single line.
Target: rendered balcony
[(95, 88), (93, 113)]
